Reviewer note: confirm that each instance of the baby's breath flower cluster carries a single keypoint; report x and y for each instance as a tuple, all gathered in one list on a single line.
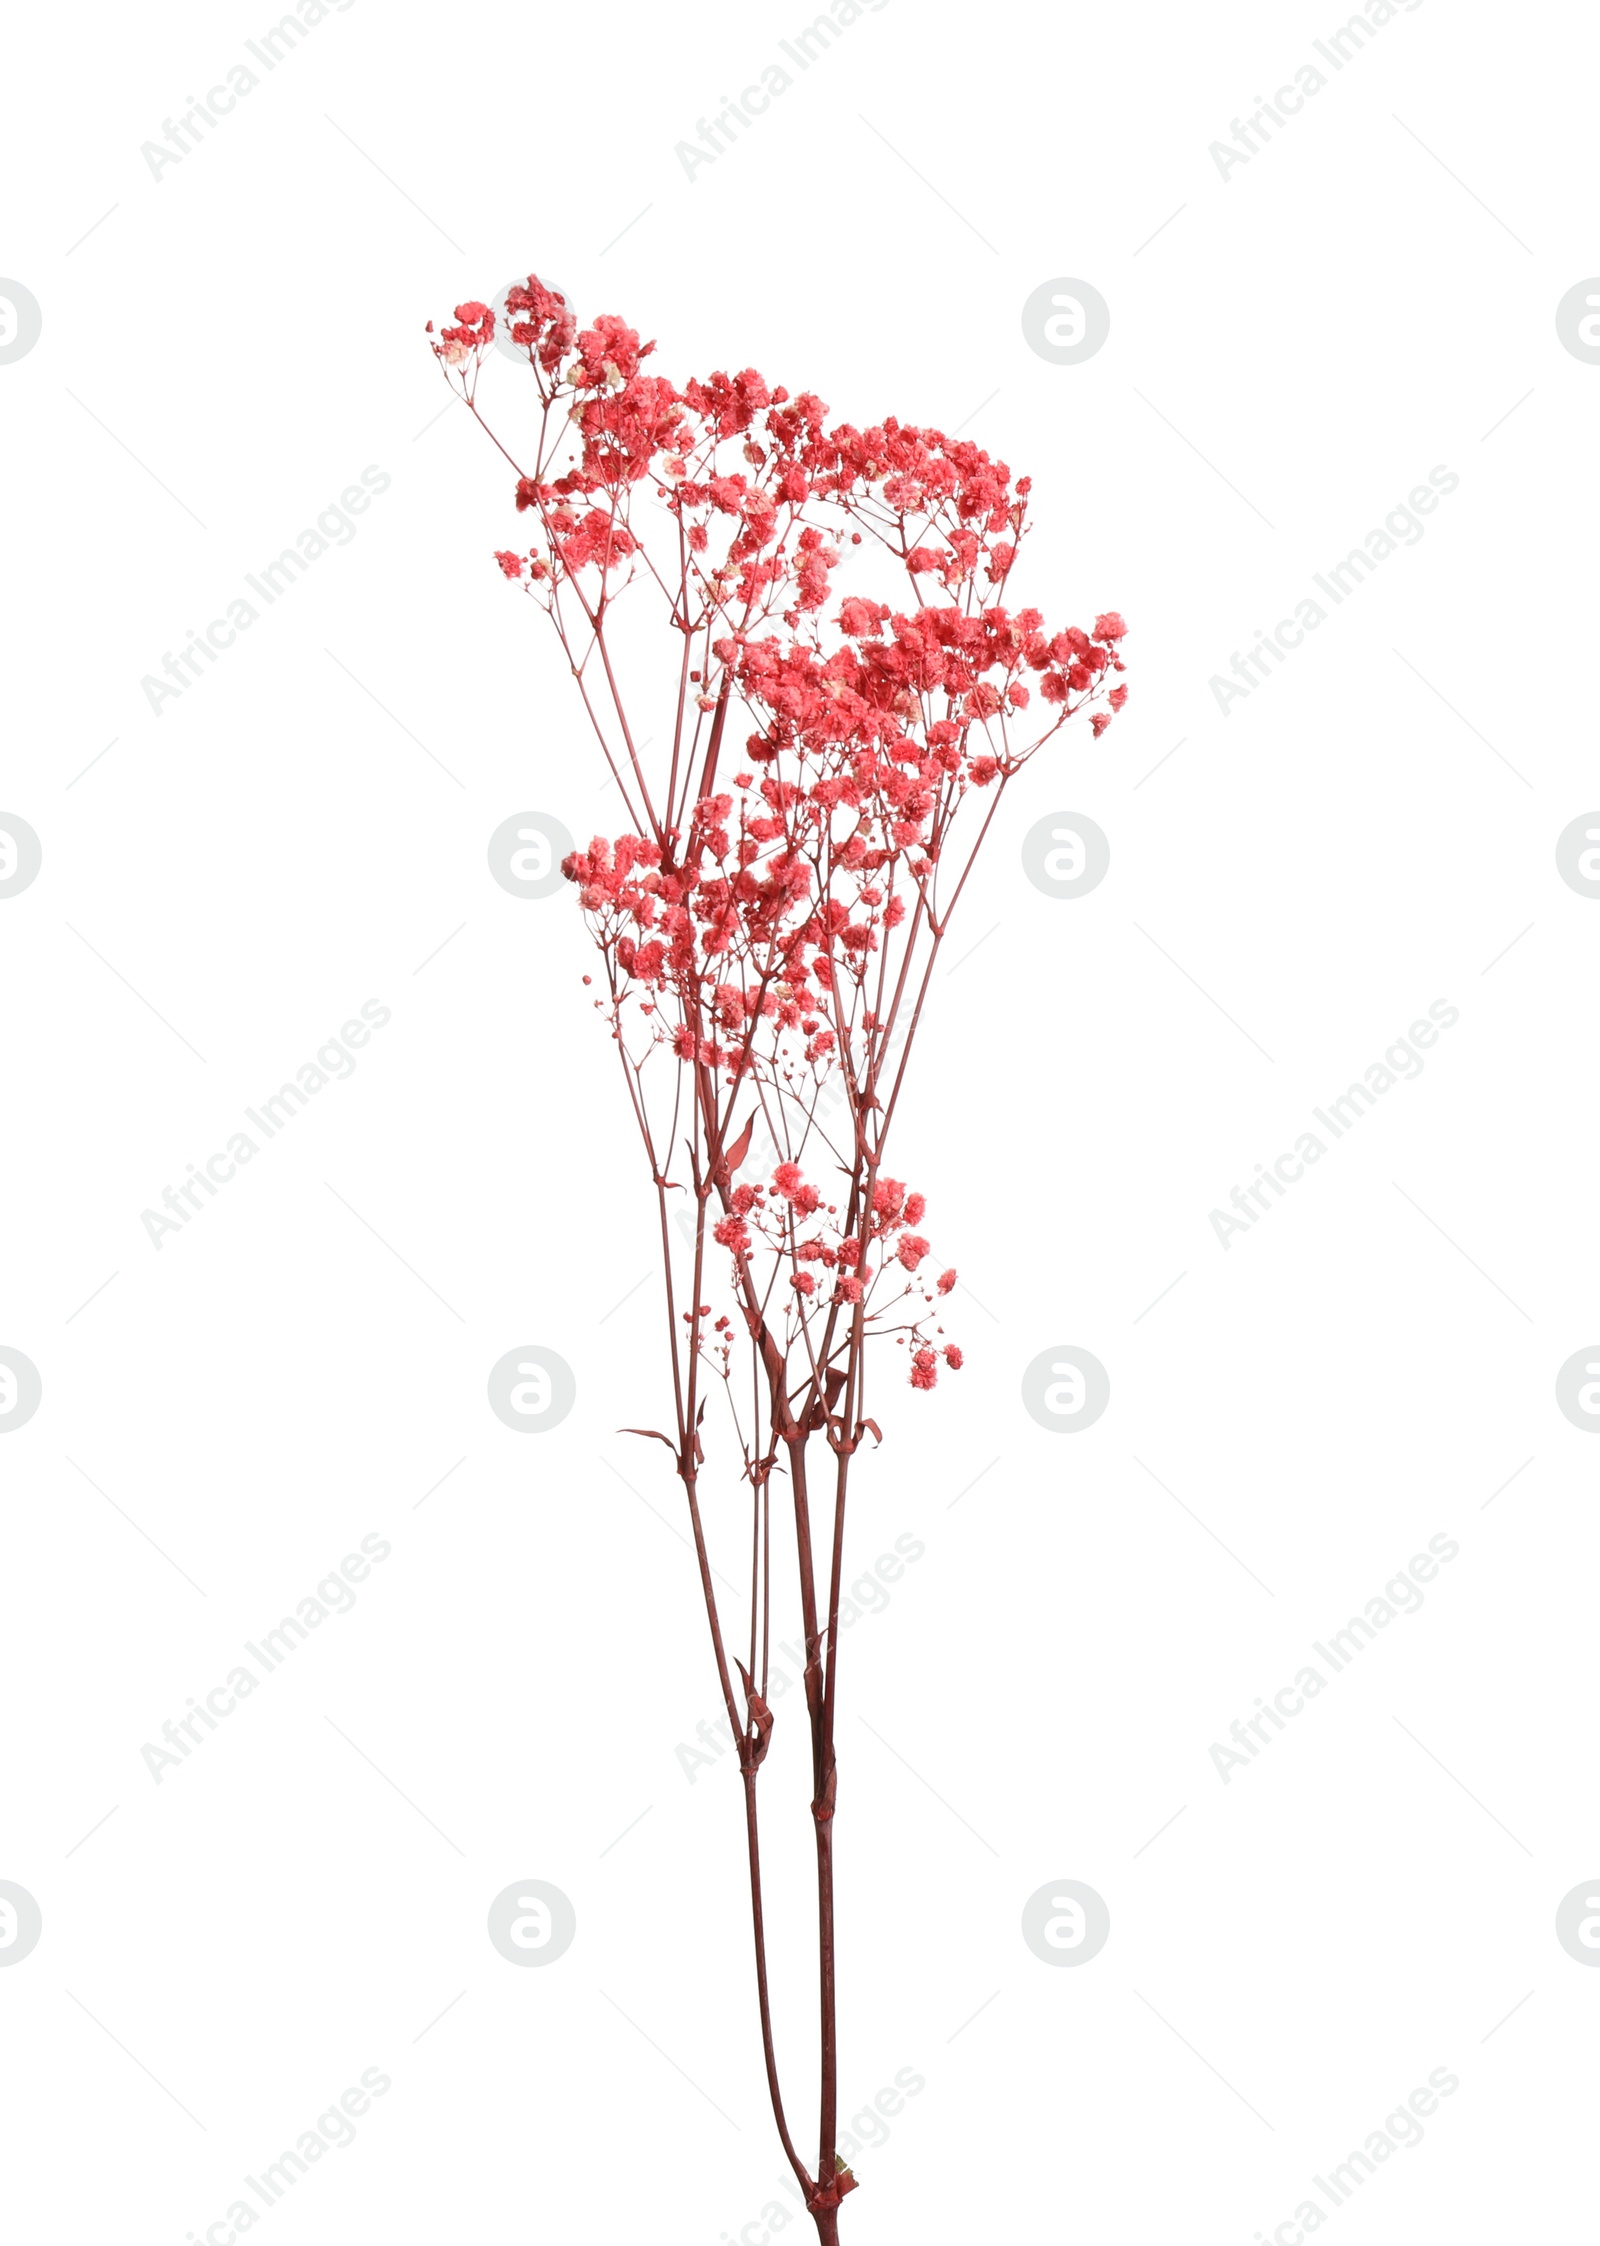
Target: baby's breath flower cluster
[(842, 688)]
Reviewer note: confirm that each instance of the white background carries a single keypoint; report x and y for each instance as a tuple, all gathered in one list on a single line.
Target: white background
[(305, 828)]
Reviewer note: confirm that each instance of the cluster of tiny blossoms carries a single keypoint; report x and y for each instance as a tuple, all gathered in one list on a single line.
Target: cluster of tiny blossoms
[(767, 918)]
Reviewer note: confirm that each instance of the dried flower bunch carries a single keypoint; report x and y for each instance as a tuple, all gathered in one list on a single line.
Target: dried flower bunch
[(807, 771)]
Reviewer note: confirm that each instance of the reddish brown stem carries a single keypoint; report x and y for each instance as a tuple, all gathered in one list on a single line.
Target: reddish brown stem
[(758, 1919), (829, 2124)]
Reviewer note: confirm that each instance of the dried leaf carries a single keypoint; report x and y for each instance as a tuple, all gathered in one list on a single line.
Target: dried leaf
[(760, 1715), (734, 1158), (652, 1431)]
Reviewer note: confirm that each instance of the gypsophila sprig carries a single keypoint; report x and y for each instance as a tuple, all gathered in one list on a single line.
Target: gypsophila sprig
[(825, 764)]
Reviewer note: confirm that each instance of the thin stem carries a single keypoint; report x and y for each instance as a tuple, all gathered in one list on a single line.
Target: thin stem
[(758, 1919)]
